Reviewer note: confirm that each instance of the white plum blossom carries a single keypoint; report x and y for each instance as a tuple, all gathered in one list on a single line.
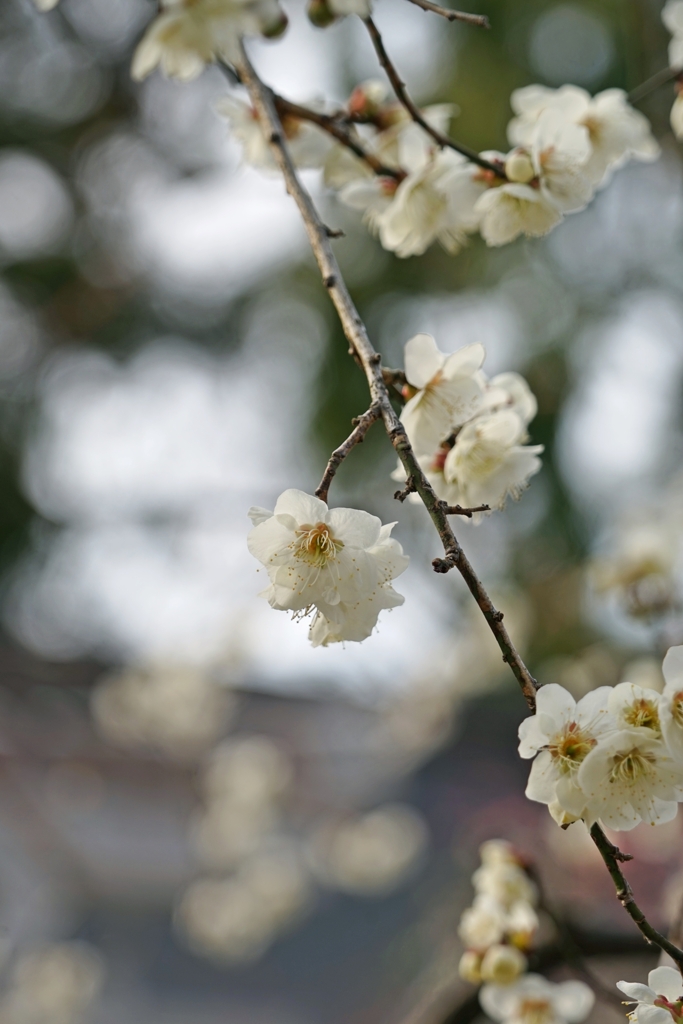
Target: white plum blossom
[(483, 924), (502, 965), (630, 777), (446, 390), (635, 707), (658, 1002), (189, 34), (489, 460), (507, 883), (434, 201), (671, 702), (308, 145), (672, 16), (560, 736), (615, 132), (45, 5), (535, 1000), (336, 563), (514, 209), (510, 391)]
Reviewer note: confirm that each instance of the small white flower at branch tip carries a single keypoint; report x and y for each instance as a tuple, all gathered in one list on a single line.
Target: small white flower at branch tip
[(445, 391), (489, 461), (45, 5), (614, 131), (308, 145), (535, 1000), (560, 736), (493, 852), (659, 1001), (634, 707), (189, 34), (334, 563)]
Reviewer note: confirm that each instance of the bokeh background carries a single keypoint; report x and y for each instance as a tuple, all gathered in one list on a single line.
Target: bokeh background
[(221, 822)]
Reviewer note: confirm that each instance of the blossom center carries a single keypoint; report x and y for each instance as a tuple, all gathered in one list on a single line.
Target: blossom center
[(535, 1011), (643, 714), (316, 545), (483, 457), (570, 747), (632, 766)]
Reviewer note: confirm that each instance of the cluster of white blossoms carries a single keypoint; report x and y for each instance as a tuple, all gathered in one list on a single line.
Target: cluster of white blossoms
[(615, 756), (672, 16), (334, 564), (657, 1002), (187, 35), (502, 921), (179, 710), (566, 146), (468, 432), (497, 929)]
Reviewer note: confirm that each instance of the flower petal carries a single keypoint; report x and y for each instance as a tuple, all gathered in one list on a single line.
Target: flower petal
[(667, 982), (305, 508), (422, 360)]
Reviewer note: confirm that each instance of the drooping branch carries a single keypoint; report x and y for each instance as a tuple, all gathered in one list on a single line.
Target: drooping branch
[(361, 426), (370, 361), (398, 85), (471, 19), (612, 857)]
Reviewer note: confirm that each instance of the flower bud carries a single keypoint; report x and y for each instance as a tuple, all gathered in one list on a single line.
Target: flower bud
[(367, 98), (320, 13), (497, 851), (501, 965), (558, 814), (519, 168), (469, 967), (276, 28)]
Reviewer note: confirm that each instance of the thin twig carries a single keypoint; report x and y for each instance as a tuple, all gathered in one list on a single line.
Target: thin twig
[(357, 436), (612, 857), (458, 510), (472, 19), (398, 85), (371, 362), (651, 84), (330, 123), (332, 126)]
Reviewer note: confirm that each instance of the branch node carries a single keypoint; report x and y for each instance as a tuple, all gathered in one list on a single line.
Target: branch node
[(497, 616), (330, 281), (334, 232), (446, 564), (275, 139), (408, 489)]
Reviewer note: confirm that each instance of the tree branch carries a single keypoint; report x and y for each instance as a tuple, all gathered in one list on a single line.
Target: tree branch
[(357, 435), (370, 360), (651, 84), (612, 856), (472, 19), (331, 124), (458, 510), (404, 99)]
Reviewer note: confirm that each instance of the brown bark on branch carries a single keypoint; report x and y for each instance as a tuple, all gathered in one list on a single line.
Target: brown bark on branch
[(357, 435), (612, 857), (370, 360)]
